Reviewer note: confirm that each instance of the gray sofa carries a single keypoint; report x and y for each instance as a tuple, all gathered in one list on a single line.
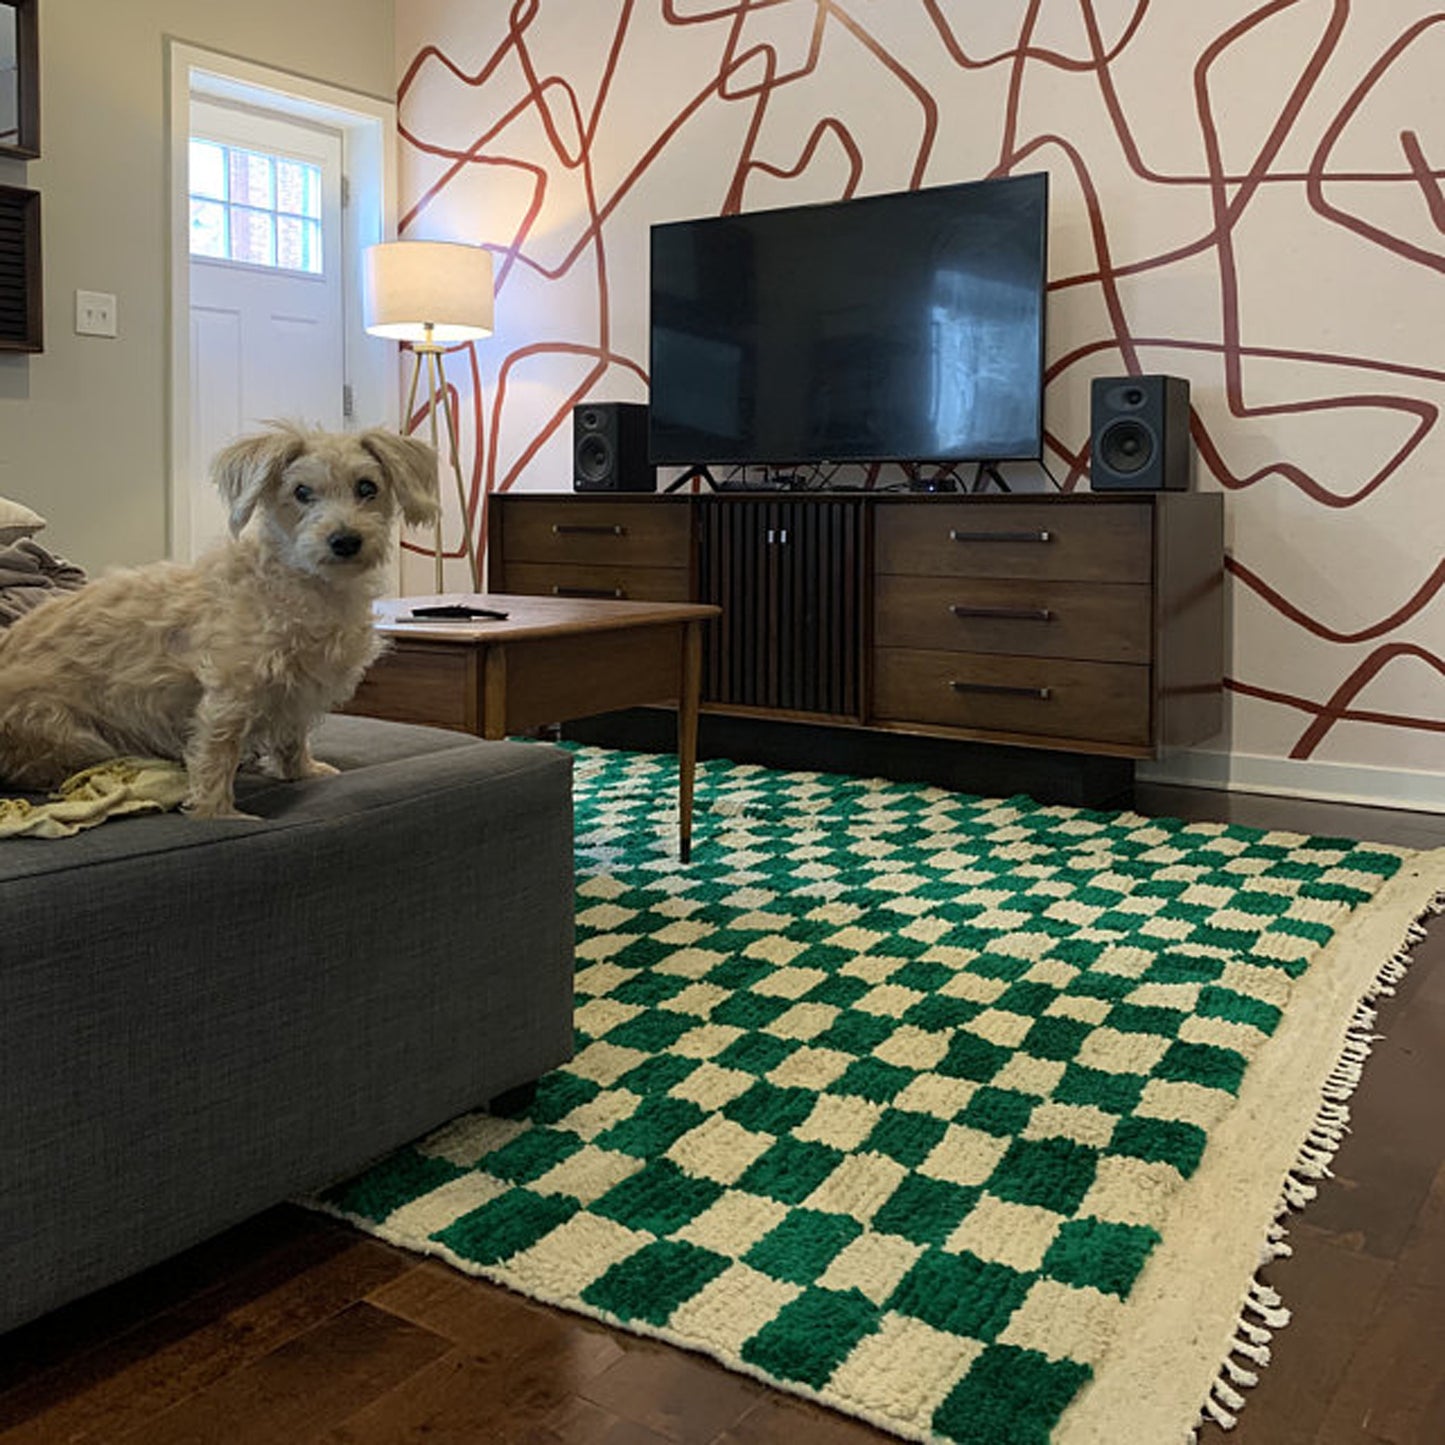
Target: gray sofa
[(201, 1019)]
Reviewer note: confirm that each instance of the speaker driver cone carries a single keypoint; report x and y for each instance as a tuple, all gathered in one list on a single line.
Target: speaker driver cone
[(594, 457), (1126, 446)]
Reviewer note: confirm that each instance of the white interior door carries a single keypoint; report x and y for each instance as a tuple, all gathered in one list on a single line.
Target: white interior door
[(267, 320)]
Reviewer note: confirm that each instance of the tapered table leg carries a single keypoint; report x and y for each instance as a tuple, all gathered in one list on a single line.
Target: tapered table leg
[(689, 696)]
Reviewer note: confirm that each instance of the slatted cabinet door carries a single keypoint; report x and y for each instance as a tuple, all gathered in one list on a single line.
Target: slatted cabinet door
[(787, 573)]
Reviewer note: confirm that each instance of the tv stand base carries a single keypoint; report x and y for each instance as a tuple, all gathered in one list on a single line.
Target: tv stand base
[(1078, 780), (930, 632), (989, 472), (698, 473)]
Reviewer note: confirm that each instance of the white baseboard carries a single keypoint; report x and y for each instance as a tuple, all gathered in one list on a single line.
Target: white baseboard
[(1300, 778)]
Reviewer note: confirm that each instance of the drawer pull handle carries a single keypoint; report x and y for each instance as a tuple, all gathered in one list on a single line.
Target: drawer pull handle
[(559, 591), (954, 535), (584, 529), (1013, 614), (1041, 694)]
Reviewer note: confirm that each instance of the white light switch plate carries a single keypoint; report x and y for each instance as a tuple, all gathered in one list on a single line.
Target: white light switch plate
[(94, 313)]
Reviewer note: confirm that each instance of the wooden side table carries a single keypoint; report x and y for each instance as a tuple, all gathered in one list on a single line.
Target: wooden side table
[(551, 659)]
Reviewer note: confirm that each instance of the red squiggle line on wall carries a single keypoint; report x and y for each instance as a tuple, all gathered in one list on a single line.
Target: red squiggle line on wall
[(1334, 710), (1339, 715), (1021, 53), (1337, 709), (845, 139), (1425, 178), (1418, 601), (1314, 187)]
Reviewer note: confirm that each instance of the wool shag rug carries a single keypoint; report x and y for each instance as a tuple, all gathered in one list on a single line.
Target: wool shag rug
[(973, 1118)]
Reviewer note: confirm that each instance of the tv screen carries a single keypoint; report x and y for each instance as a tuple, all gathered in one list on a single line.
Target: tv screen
[(900, 327)]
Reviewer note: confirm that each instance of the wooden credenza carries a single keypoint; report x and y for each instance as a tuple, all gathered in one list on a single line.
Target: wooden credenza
[(1083, 623)]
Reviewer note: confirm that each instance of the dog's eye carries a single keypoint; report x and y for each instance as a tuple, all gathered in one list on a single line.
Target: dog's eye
[(366, 488), (303, 494)]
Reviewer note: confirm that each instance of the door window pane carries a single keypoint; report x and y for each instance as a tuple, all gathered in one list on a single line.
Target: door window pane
[(298, 188), (208, 228), (253, 236), (259, 209), (208, 169), (251, 179), (298, 244)]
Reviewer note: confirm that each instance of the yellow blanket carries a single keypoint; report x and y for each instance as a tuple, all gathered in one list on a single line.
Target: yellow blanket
[(108, 790)]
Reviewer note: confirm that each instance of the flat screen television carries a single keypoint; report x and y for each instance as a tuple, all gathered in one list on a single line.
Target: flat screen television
[(902, 327)]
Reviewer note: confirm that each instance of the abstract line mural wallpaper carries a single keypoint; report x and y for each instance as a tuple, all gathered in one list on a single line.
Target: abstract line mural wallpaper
[(1249, 195)]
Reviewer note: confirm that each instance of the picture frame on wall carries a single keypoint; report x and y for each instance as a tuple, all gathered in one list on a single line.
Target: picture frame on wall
[(21, 317), (19, 79)]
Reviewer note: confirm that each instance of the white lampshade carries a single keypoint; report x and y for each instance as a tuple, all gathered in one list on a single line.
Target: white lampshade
[(410, 285)]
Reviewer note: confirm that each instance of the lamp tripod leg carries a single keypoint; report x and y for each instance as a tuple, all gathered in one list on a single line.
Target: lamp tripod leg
[(438, 398), (451, 424), (431, 388), (406, 416), (411, 392)]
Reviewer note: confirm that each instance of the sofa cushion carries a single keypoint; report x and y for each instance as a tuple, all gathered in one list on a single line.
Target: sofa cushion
[(381, 763)]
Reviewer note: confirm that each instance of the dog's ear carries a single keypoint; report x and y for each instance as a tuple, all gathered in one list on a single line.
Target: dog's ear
[(243, 471), (411, 468)]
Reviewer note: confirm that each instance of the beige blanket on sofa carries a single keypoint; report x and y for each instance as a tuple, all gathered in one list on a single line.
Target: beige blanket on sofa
[(109, 790)]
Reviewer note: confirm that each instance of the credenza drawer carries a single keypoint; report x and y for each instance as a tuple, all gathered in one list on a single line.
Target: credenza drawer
[(571, 579), (1099, 621), (637, 534), (1109, 543), (1050, 697)]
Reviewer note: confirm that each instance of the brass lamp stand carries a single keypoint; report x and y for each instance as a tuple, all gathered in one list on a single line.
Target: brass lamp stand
[(428, 353), (432, 294)]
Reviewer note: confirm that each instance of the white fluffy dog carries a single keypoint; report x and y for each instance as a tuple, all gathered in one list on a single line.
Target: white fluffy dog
[(237, 657)]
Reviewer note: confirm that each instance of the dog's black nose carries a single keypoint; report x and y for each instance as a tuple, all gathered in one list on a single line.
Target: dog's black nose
[(344, 544)]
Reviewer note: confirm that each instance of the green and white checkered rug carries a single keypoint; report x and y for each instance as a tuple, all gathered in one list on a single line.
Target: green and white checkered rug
[(899, 1098)]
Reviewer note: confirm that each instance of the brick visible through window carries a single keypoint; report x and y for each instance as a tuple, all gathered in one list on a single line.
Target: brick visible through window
[(254, 207)]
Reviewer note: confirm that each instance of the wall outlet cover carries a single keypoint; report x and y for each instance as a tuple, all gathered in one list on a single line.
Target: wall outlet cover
[(94, 313)]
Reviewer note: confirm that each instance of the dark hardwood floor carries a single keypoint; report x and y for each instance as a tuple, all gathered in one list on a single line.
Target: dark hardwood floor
[(291, 1328)]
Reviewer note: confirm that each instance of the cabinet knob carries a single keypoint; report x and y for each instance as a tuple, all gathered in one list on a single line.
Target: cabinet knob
[(584, 529)]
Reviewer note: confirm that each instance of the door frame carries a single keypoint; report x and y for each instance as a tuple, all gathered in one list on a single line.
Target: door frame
[(368, 143)]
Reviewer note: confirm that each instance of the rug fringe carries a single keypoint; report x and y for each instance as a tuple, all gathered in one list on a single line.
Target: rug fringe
[(1263, 1312)]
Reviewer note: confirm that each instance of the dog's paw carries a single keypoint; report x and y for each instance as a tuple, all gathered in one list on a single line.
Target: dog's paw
[(294, 769), (218, 810)]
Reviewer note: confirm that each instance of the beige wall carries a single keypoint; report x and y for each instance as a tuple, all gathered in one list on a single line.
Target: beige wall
[(84, 426)]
